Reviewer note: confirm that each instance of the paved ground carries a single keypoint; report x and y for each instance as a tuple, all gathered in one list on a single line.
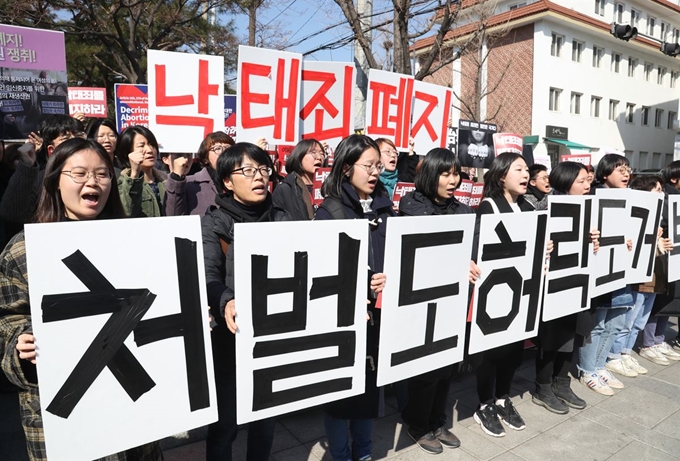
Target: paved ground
[(640, 422)]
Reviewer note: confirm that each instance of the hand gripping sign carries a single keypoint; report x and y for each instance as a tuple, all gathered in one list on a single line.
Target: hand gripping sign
[(508, 294), (388, 107), (124, 350), (301, 315), (327, 108), (431, 112), (424, 309), (268, 95), (186, 98)]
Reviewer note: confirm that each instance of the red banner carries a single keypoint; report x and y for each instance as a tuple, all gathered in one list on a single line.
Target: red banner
[(89, 101)]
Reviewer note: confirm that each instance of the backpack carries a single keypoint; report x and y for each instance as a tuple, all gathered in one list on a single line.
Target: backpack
[(333, 206)]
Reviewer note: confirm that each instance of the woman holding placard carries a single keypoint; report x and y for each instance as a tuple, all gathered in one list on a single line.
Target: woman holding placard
[(79, 185), (353, 191), (425, 413)]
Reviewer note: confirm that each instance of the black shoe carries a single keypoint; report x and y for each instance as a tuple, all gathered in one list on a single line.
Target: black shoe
[(561, 387), (545, 397), (428, 442), (509, 415), (487, 418), (447, 438)]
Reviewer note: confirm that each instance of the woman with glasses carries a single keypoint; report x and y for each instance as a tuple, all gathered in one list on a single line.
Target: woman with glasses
[(79, 185), (104, 132), (353, 191), (388, 157), (195, 193), (538, 187), (244, 169), (293, 195)]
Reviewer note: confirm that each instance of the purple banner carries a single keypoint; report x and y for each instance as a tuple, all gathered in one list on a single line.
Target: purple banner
[(24, 48)]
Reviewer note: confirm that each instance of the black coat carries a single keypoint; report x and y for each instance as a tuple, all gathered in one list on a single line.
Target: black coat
[(416, 204), (406, 166), (293, 200), (667, 303), (364, 406)]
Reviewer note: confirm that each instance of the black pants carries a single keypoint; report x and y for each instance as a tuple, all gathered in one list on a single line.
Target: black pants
[(426, 408), (496, 371), (552, 364)]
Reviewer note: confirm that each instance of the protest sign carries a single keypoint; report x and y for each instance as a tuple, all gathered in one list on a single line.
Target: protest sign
[(463, 192), (475, 143), (476, 194), (33, 79), (674, 235), (230, 115), (124, 350), (320, 176), (507, 295), (89, 101), (186, 98), (401, 189), (327, 101), (132, 105), (430, 115), (507, 142), (644, 220), (424, 308), (301, 315), (388, 106), (581, 158), (268, 95)]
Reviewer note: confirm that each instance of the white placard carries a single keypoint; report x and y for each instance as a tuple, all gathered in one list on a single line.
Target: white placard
[(424, 305), (96, 309), (388, 106), (268, 95), (674, 235), (186, 98), (301, 304), (430, 114), (645, 218), (327, 107), (567, 286), (507, 296)]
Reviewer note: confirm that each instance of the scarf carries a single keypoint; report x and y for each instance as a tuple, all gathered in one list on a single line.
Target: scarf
[(389, 180)]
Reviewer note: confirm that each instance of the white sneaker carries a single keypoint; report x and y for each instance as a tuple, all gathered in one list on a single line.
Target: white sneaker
[(667, 351), (620, 367), (594, 382), (633, 364), (651, 354), (610, 379)]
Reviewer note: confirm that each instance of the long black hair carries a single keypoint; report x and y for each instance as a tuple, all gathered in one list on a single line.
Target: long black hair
[(562, 177), (436, 162), (348, 152), (294, 162), (493, 184)]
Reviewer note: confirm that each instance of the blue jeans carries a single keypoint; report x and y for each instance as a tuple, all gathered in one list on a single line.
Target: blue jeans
[(338, 438), (636, 319), (608, 322)]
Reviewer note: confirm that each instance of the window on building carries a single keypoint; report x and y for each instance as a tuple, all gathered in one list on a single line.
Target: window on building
[(676, 35), (575, 107), (618, 12), (595, 106), (671, 120), (643, 160), (632, 65), (599, 7), (554, 103), (613, 109), (634, 18), (664, 31), (656, 160), (651, 22), (669, 159), (644, 112), (597, 56), (630, 111), (674, 79), (556, 45), (517, 5), (648, 72), (657, 118), (616, 62), (576, 50), (660, 75)]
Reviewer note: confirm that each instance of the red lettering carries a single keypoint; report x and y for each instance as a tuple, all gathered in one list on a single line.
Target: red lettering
[(288, 103), (424, 119), (381, 108), (248, 97), (205, 89), (445, 119), (380, 112), (162, 99), (403, 117), (320, 99)]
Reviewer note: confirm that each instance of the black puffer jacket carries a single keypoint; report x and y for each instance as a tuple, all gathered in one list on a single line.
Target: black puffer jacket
[(416, 204), (291, 198)]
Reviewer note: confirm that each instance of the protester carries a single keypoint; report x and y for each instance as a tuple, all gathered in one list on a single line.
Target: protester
[(79, 185), (555, 339), (539, 187), (293, 196), (425, 412), (353, 191), (608, 311), (388, 157), (140, 184), (105, 133), (244, 170)]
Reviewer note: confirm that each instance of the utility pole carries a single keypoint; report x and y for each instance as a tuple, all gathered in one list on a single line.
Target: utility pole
[(365, 13)]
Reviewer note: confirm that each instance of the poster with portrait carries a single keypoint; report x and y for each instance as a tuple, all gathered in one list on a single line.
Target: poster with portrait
[(475, 143)]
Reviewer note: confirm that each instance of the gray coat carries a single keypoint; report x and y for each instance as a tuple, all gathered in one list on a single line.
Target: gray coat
[(192, 195)]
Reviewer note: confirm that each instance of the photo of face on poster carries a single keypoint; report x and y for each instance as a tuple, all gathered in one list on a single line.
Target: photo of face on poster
[(475, 144)]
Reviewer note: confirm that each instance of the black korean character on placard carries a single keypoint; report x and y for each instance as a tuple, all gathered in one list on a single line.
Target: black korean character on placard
[(510, 276), (408, 296), (127, 307), (610, 241), (344, 286), (646, 239), (567, 261)]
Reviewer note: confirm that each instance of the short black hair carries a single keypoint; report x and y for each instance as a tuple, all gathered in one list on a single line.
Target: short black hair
[(562, 177), (93, 129), (232, 158), (493, 186), (646, 182), (294, 161), (348, 152), (58, 125), (672, 171), (608, 164), (436, 162), (535, 169), (126, 142)]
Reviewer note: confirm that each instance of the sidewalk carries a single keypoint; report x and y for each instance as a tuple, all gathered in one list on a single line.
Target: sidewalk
[(640, 422)]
